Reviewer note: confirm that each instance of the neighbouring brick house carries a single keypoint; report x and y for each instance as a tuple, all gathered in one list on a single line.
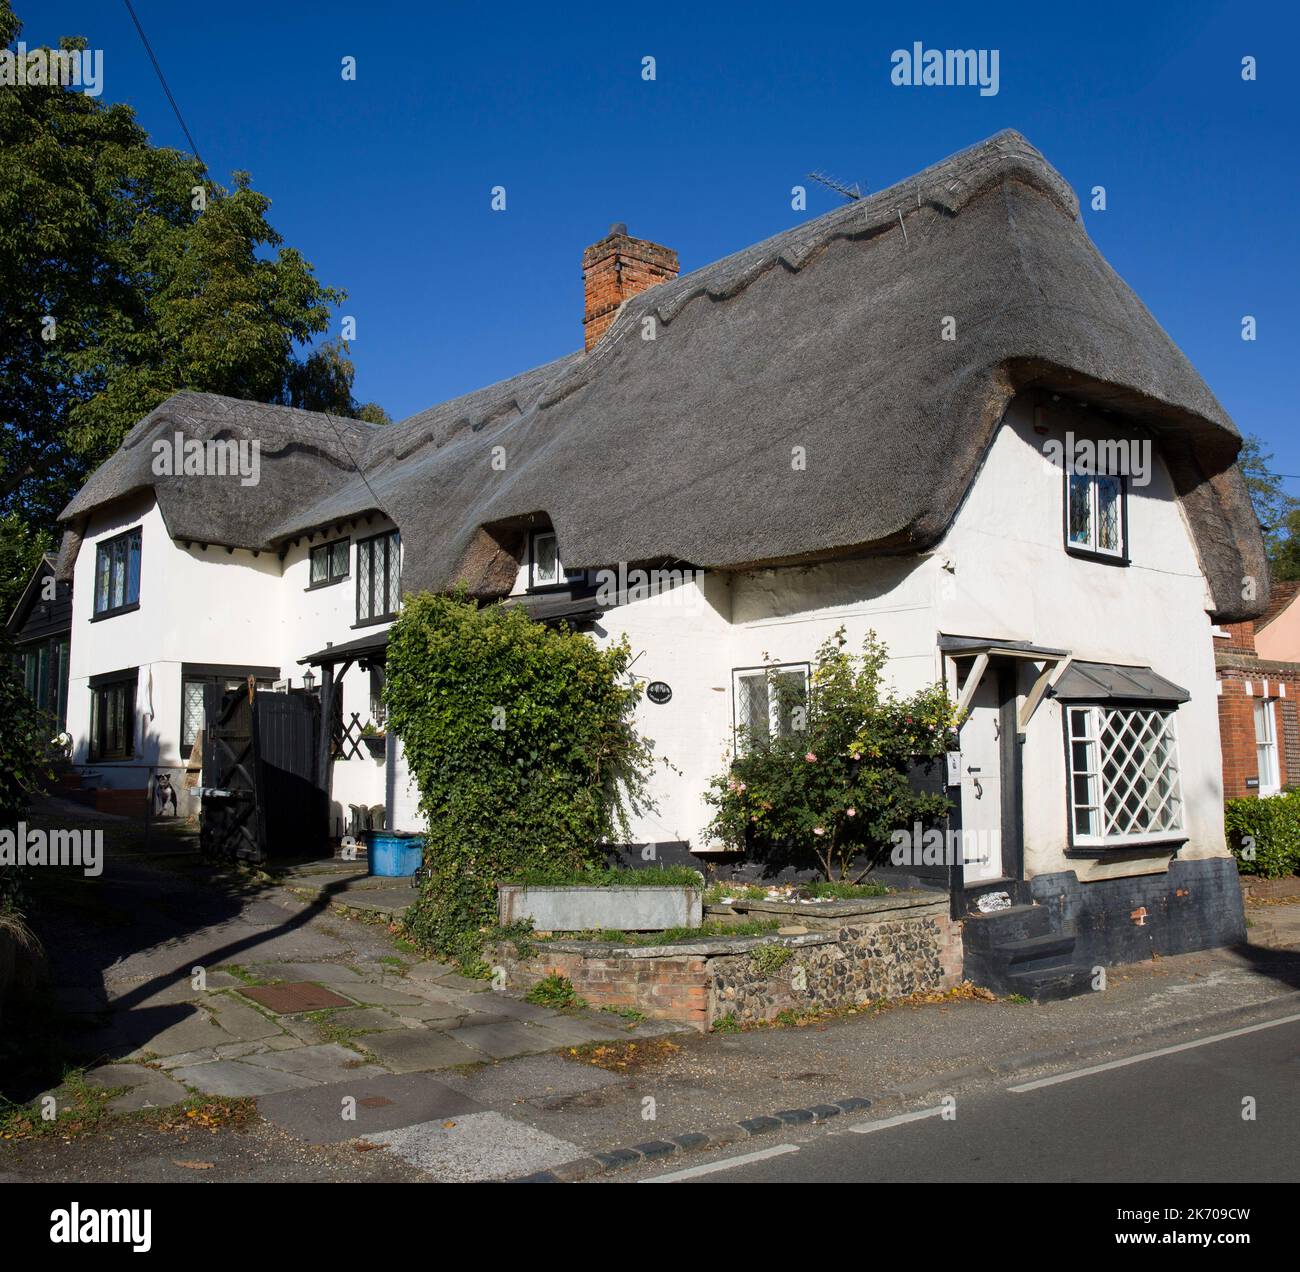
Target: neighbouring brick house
[(1258, 667)]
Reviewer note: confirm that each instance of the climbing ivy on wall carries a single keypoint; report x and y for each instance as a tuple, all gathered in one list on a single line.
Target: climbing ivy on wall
[(521, 742)]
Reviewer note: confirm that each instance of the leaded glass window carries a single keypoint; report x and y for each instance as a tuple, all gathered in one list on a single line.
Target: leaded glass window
[(1094, 515), (379, 577), (769, 702)]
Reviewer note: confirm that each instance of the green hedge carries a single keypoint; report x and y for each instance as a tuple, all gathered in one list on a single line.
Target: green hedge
[(1264, 834), (520, 740)]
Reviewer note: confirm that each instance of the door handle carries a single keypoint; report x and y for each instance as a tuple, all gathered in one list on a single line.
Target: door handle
[(979, 790)]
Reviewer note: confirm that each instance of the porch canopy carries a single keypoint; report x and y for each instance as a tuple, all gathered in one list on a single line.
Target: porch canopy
[(334, 661), (982, 649), (365, 650), (1063, 676), (1109, 682)]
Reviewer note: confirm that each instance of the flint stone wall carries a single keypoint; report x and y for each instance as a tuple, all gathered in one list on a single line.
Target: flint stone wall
[(854, 952)]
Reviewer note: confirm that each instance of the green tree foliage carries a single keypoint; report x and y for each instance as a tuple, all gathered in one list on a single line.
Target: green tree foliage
[(1284, 558), (1278, 512), (833, 783), (25, 735), (156, 278), (521, 742)]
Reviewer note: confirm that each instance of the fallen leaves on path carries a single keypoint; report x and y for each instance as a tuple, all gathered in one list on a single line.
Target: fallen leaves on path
[(619, 1057)]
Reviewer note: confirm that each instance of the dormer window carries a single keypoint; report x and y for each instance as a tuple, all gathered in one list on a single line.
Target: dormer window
[(379, 586), (329, 563), (545, 568), (1096, 520)]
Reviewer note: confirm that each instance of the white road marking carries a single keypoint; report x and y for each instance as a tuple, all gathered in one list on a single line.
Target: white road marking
[(728, 1163), (1151, 1055), (866, 1128)]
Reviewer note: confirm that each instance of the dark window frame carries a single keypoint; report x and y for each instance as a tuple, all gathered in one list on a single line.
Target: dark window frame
[(330, 578), (107, 545), (1120, 558), (46, 685), (367, 545), (102, 689)]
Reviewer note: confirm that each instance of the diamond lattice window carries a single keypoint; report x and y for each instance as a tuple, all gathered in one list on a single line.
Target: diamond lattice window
[(769, 703), (1124, 780), (192, 713)]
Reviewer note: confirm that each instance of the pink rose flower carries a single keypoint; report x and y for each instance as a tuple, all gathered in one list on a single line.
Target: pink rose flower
[(811, 758), (819, 830)]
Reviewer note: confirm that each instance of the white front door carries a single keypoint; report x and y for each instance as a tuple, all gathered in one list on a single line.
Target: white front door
[(981, 784)]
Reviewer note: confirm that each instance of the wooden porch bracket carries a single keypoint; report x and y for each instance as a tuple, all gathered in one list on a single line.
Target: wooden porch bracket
[(978, 668), (1051, 673)]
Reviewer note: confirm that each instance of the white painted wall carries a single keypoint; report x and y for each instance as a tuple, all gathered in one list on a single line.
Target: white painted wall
[(1000, 572), (209, 605)]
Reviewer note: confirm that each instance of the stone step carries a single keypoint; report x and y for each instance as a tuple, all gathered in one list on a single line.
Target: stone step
[(984, 931), (326, 866), (1034, 952), (1051, 984)]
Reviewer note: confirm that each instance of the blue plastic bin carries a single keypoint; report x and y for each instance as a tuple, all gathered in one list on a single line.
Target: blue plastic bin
[(393, 853)]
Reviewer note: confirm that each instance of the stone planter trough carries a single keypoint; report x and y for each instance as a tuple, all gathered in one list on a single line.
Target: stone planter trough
[(567, 908)]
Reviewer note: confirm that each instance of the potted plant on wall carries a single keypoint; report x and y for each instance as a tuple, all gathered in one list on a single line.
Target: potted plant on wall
[(374, 739)]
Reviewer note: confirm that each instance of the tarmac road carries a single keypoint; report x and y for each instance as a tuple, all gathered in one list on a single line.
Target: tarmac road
[(1179, 1112)]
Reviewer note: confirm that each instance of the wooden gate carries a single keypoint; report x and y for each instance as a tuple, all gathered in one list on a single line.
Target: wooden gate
[(260, 793)]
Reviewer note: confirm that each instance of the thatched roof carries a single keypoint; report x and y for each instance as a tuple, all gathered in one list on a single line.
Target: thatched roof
[(826, 337)]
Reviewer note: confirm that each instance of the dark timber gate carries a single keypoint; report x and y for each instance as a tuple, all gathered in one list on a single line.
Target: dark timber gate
[(260, 793)]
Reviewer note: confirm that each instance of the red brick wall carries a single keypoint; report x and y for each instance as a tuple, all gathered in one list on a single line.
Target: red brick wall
[(1240, 639), (616, 269), (1237, 728), (675, 988)]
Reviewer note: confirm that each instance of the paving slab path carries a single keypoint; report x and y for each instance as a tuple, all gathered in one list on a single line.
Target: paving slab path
[(422, 1074), (174, 977)]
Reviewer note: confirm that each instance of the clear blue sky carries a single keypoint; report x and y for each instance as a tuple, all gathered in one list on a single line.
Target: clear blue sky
[(384, 183)]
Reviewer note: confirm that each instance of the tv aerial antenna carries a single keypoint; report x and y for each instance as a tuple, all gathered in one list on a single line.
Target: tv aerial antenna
[(843, 189)]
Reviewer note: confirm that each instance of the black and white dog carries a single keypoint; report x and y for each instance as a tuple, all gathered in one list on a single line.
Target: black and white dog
[(164, 794)]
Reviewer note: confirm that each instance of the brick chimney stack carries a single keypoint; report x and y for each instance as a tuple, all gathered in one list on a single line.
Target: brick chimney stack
[(616, 269)]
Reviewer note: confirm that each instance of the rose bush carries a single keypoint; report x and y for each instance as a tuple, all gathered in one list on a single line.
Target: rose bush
[(833, 780)]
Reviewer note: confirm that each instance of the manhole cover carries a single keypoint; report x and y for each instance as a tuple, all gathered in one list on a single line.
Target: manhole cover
[(296, 996)]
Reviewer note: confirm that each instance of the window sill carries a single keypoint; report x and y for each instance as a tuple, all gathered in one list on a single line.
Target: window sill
[(373, 622), (1102, 558), (1155, 846), (316, 587), (113, 613)]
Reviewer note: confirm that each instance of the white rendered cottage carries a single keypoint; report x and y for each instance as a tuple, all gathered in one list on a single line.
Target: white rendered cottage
[(935, 413)]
